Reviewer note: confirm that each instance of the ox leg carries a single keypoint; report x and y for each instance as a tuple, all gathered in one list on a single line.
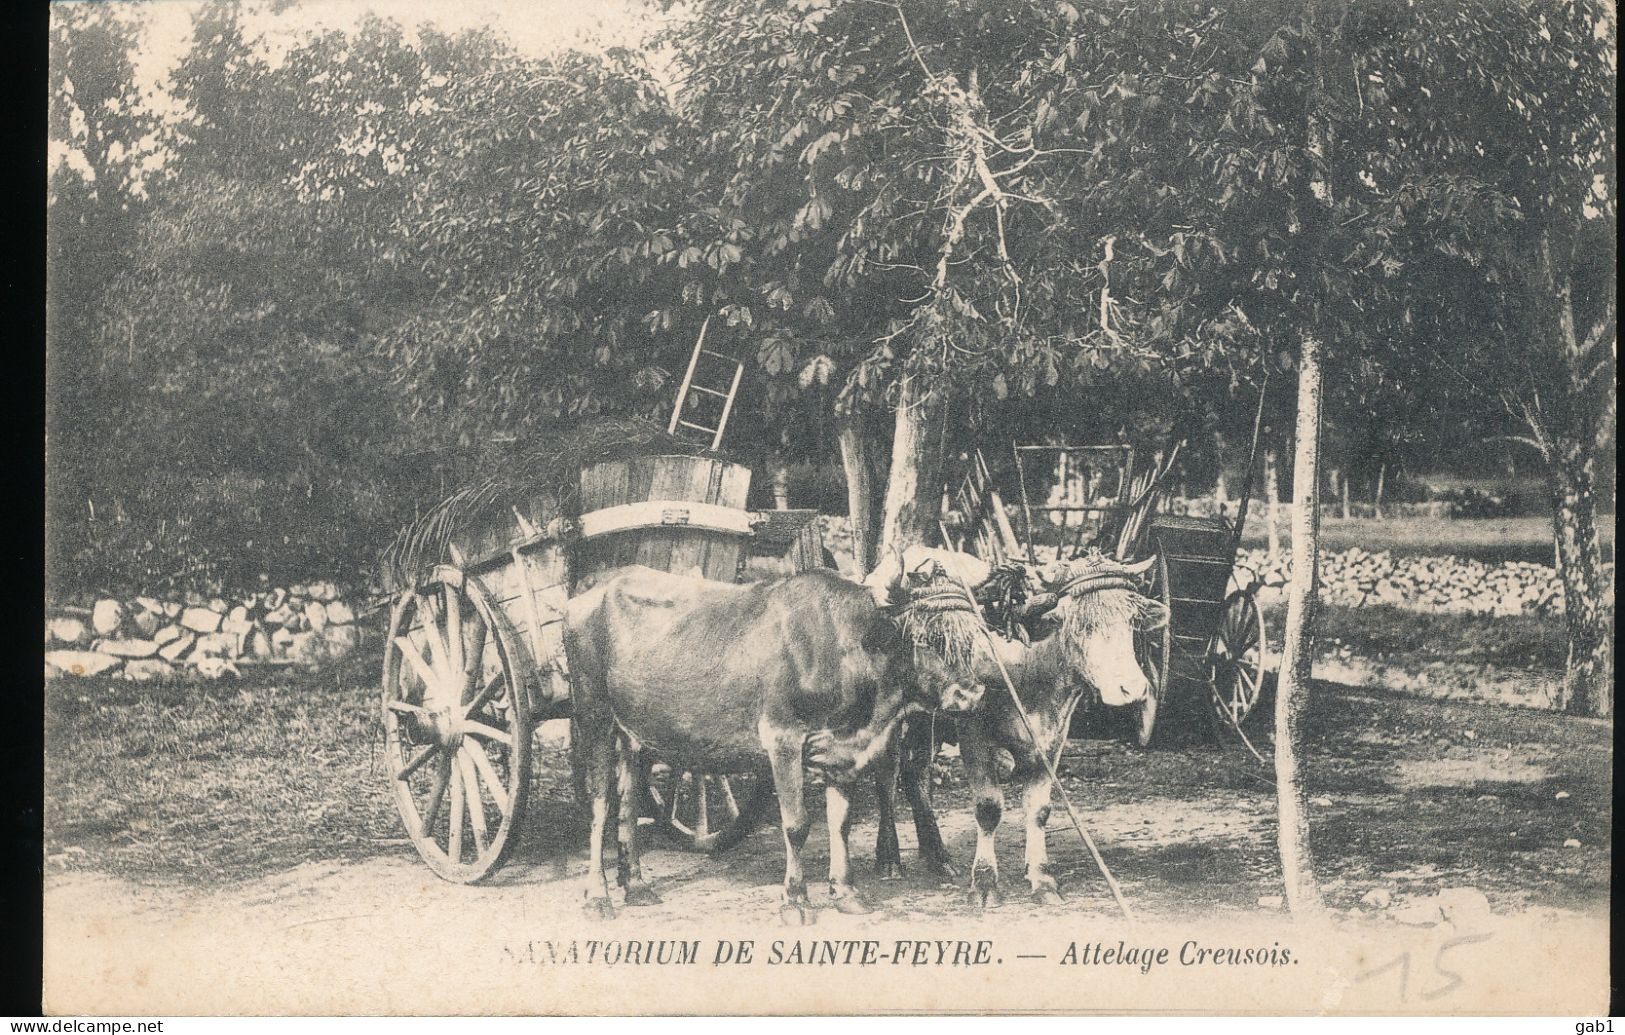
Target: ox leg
[(1035, 796), (629, 858), (888, 854), (599, 758), (919, 748), (784, 753), (982, 773), (838, 810)]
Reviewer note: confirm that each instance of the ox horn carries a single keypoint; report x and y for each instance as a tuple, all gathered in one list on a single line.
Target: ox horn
[(1142, 567), (886, 577)]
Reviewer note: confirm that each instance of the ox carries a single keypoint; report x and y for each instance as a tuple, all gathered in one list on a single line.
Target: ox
[(1085, 625), (717, 676)]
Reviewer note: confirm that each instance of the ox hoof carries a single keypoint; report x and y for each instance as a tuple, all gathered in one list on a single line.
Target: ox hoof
[(889, 870), (852, 904), (942, 869), (598, 909), (1048, 895), (639, 894), (797, 914), (986, 898)]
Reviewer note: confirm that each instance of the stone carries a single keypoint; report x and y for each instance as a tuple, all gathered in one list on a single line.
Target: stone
[(218, 604), (82, 662), (341, 639), (259, 644), (1560, 795), (307, 648), (200, 619), (216, 644), (316, 615), (151, 605), (281, 614), (275, 599), (280, 639), (128, 648), (324, 591), (237, 626), (237, 616), (1463, 906), (168, 634), (106, 617), (172, 609), (1377, 898), (52, 672), (215, 668), (1322, 802), (1572, 842), (145, 670), (146, 623), (67, 630), (339, 613), (177, 648)]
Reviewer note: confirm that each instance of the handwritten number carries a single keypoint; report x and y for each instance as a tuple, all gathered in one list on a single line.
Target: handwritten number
[(1442, 971), (1403, 962)]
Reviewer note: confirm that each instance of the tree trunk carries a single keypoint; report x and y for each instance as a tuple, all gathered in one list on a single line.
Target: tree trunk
[(913, 486), (1588, 613), (1346, 494), (1297, 658), (1272, 492), (861, 499), (1376, 497), (781, 487)]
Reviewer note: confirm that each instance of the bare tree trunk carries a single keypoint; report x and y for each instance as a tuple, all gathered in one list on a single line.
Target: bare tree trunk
[(781, 487), (1297, 658), (1376, 497), (1272, 491), (860, 493), (1346, 494), (913, 486), (1588, 613)]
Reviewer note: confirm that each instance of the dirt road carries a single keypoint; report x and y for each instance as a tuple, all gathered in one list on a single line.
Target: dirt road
[(1412, 797)]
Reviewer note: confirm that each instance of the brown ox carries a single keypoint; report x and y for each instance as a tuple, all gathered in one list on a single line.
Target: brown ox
[(716, 676), (1087, 642)]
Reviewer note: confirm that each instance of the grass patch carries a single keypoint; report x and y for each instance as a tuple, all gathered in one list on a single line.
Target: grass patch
[(233, 779), (1490, 540), (1385, 632)]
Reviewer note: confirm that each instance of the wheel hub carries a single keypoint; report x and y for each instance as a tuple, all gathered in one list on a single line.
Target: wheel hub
[(446, 724)]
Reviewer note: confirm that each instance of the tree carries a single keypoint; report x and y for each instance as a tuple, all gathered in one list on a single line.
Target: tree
[(1519, 101)]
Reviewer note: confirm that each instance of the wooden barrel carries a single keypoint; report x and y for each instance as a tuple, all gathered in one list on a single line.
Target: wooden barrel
[(682, 514)]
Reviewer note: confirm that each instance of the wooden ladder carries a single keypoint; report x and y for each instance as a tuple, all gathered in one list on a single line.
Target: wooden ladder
[(689, 385)]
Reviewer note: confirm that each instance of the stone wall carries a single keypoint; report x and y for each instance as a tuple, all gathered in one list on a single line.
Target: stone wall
[(191, 636)]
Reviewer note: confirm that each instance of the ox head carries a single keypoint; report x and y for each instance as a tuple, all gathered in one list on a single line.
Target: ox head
[(1100, 608), (940, 622)]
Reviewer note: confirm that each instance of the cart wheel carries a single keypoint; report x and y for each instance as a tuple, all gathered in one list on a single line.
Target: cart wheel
[(456, 730), (1155, 649), (1236, 661), (707, 812)]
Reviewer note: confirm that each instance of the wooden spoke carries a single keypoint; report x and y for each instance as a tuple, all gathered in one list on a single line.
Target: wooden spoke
[(455, 849), (473, 656), (452, 602), (437, 795), (499, 792), (702, 822), (728, 796), (476, 805), (416, 763), (424, 670), (480, 729), (408, 709), (481, 699), (438, 652)]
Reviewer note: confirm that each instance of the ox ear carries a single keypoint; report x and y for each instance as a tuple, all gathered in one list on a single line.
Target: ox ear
[(1148, 613)]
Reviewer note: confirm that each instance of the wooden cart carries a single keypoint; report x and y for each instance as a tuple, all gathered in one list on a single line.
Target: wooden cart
[(474, 661), (1213, 648)]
